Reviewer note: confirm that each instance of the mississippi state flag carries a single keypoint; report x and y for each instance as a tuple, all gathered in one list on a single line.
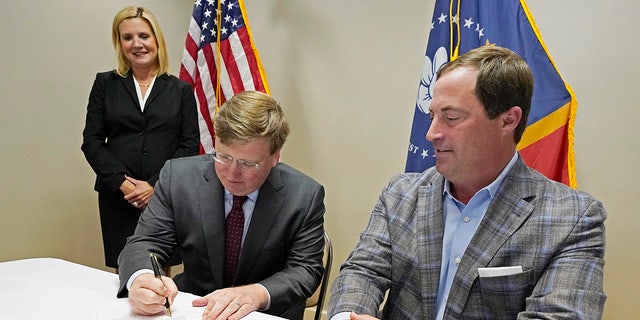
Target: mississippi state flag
[(461, 25)]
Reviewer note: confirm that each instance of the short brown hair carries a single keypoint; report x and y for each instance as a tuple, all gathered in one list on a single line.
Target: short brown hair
[(504, 81)]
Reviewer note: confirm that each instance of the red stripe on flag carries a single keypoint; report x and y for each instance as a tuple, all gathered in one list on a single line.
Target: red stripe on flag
[(231, 66), (192, 49), (205, 110), (549, 155), (245, 40), (208, 52)]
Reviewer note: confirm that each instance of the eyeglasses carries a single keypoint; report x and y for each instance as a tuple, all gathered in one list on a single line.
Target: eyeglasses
[(243, 165)]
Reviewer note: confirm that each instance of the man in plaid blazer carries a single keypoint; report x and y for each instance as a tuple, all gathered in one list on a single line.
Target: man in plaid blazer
[(481, 235)]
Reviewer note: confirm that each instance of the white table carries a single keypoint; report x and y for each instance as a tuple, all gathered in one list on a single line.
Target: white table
[(47, 288)]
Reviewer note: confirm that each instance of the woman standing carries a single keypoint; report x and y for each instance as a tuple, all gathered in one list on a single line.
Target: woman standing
[(138, 116)]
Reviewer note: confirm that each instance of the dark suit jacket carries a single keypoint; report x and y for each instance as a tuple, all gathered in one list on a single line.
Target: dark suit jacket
[(554, 232), (121, 139), (282, 250)]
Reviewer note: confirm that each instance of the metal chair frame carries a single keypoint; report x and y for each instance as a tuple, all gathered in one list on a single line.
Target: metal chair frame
[(322, 289)]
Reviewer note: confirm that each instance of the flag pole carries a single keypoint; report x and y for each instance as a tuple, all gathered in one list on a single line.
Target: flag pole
[(218, 53), (454, 50)]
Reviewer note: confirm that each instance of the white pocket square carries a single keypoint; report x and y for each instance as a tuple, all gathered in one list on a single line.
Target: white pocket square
[(499, 271)]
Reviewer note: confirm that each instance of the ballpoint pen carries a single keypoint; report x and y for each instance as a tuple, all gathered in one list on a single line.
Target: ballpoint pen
[(157, 274)]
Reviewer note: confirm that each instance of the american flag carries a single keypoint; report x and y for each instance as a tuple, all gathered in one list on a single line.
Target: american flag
[(219, 60)]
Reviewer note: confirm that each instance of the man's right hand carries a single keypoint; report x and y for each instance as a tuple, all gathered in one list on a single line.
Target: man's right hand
[(148, 294)]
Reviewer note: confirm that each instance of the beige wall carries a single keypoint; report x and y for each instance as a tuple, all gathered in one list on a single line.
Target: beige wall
[(345, 71)]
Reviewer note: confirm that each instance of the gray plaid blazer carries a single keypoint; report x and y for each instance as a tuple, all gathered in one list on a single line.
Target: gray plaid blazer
[(554, 232)]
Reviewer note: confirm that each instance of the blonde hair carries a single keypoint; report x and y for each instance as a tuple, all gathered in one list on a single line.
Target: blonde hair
[(124, 66), (249, 115)]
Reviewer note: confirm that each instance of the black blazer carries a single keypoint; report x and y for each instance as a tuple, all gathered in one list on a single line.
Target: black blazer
[(120, 139)]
